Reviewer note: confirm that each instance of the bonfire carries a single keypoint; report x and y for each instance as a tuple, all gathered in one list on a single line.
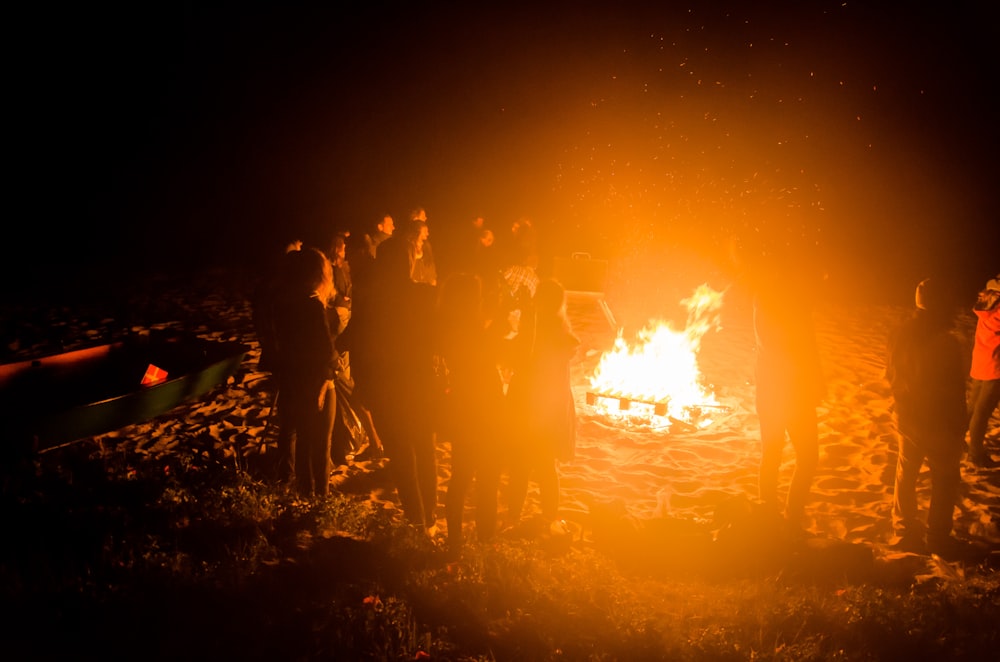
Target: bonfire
[(656, 375)]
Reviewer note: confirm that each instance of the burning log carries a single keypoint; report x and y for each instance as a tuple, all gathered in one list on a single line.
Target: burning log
[(625, 404), (660, 370)]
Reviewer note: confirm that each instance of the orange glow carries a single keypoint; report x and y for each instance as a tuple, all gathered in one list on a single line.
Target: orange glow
[(658, 373)]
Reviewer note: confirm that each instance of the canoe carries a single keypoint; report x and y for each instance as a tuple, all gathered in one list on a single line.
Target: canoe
[(53, 400)]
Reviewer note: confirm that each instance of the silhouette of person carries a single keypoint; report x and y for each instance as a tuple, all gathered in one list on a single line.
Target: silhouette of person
[(363, 252), (486, 263), (383, 230), (541, 401), (779, 271), (263, 303), (476, 242), (985, 371), (342, 281), (264, 298), (474, 407), (788, 384), (521, 242), (419, 232), (305, 365), (422, 266), (926, 370), (393, 357)]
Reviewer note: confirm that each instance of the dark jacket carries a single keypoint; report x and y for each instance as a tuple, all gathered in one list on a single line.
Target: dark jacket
[(926, 369), (304, 351)]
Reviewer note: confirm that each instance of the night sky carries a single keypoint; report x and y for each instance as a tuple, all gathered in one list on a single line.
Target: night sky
[(185, 134)]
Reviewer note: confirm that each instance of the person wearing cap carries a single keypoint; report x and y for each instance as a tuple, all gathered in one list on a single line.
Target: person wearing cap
[(925, 367), (985, 371)]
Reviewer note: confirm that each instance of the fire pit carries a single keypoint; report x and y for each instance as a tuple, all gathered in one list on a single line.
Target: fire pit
[(657, 375)]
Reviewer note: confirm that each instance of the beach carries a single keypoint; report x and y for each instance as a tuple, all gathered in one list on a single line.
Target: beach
[(641, 470)]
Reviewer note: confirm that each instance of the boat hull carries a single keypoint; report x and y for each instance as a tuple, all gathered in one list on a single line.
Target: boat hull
[(54, 400)]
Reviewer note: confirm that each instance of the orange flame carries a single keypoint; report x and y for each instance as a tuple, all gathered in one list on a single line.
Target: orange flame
[(660, 369)]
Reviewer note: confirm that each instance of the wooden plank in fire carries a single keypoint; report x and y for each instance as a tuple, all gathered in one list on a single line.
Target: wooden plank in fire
[(625, 403), (659, 406)]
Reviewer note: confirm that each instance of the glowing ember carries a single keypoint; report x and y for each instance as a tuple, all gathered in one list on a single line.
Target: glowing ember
[(659, 371)]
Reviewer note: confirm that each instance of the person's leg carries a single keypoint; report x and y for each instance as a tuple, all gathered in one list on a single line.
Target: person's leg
[(425, 460), (402, 465), (286, 451), (548, 487), (312, 447), (906, 522), (488, 471), (517, 488), (319, 446), (974, 391), (285, 467), (458, 487), (772, 445), (373, 439), (304, 440), (946, 476), (295, 416), (984, 400), (805, 441), (342, 436)]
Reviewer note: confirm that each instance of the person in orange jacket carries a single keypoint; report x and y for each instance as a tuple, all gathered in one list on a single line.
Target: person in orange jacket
[(985, 371)]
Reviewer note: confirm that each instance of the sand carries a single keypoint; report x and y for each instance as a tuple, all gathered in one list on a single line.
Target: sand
[(642, 470)]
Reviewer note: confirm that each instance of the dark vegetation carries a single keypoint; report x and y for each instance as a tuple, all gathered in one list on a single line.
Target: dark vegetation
[(111, 555)]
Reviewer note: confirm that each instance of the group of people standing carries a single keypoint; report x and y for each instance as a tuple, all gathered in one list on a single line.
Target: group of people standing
[(928, 372), (479, 360), (942, 399)]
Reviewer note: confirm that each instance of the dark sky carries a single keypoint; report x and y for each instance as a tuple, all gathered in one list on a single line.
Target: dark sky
[(211, 133)]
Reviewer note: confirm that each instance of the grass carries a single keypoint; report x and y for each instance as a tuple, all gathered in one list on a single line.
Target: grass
[(122, 556)]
